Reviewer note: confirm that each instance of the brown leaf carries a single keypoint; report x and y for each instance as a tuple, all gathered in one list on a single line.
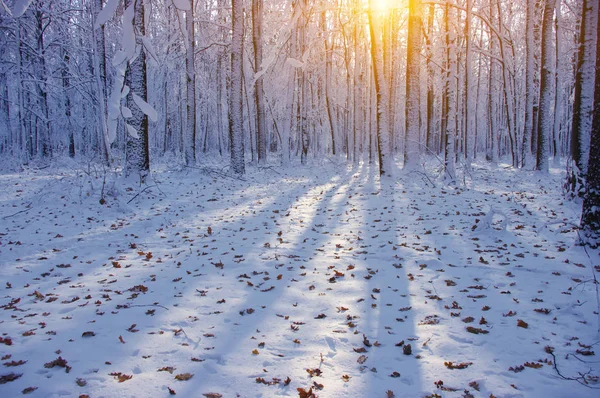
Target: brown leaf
[(314, 372), (28, 390), (184, 376), (121, 339), (171, 391), (169, 369), (461, 365), (123, 377), (390, 394), (473, 330), (522, 324), (212, 395), (14, 363), (302, 393), (361, 359), (60, 362), (9, 377)]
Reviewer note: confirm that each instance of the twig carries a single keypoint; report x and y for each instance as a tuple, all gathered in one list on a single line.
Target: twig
[(141, 192), (19, 212), (148, 305), (577, 379)]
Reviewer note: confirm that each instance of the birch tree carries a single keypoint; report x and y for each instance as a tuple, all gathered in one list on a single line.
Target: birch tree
[(546, 118), (590, 215), (413, 85), (190, 81), (138, 152), (236, 118), (530, 49), (450, 94), (382, 94), (259, 100), (583, 95)]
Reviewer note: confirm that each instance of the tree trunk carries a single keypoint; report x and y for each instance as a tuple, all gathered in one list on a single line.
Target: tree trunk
[(469, 127), (328, 72), (137, 153), (546, 95), (381, 95), (190, 81), (450, 95), (259, 101), (413, 86), (430, 77), (529, 81), (583, 102), (236, 118), (590, 215)]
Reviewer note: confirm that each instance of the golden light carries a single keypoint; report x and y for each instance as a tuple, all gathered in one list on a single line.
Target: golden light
[(381, 5)]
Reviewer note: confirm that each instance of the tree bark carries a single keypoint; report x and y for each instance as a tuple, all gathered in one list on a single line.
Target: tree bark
[(590, 215), (381, 96), (137, 153), (583, 102), (546, 118), (236, 119), (190, 67), (413, 86), (259, 100)]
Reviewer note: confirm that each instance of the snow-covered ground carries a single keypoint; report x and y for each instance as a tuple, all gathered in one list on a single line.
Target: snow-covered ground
[(316, 277)]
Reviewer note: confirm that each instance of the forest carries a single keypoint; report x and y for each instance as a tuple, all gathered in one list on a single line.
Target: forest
[(313, 198)]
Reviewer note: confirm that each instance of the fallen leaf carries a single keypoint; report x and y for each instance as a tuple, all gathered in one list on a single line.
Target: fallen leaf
[(184, 376)]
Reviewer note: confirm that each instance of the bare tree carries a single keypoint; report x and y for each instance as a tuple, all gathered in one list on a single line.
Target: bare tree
[(413, 85), (382, 95), (259, 100), (590, 215), (236, 118), (546, 118)]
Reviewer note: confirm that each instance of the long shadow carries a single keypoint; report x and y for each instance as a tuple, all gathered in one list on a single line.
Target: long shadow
[(282, 324), (140, 252)]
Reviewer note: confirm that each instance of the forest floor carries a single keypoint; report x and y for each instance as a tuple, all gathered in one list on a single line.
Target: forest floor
[(305, 278)]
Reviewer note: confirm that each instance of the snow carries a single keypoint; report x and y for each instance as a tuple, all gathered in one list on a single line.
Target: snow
[(226, 279), (106, 13), (145, 107), (20, 7), (183, 4)]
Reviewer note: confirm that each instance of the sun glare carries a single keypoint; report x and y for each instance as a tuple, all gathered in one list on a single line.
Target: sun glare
[(381, 5)]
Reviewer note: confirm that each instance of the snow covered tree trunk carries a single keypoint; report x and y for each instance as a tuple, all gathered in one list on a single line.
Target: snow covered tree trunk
[(529, 81), (259, 101), (303, 103), (137, 153), (546, 118), (590, 215), (583, 101), (328, 71), (469, 127), (236, 117), (190, 67), (413, 86), (67, 88), (429, 142), (558, 83), (508, 92), (356, 88), (99, 65), (381, 95), (450, 95), (41, 74)]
